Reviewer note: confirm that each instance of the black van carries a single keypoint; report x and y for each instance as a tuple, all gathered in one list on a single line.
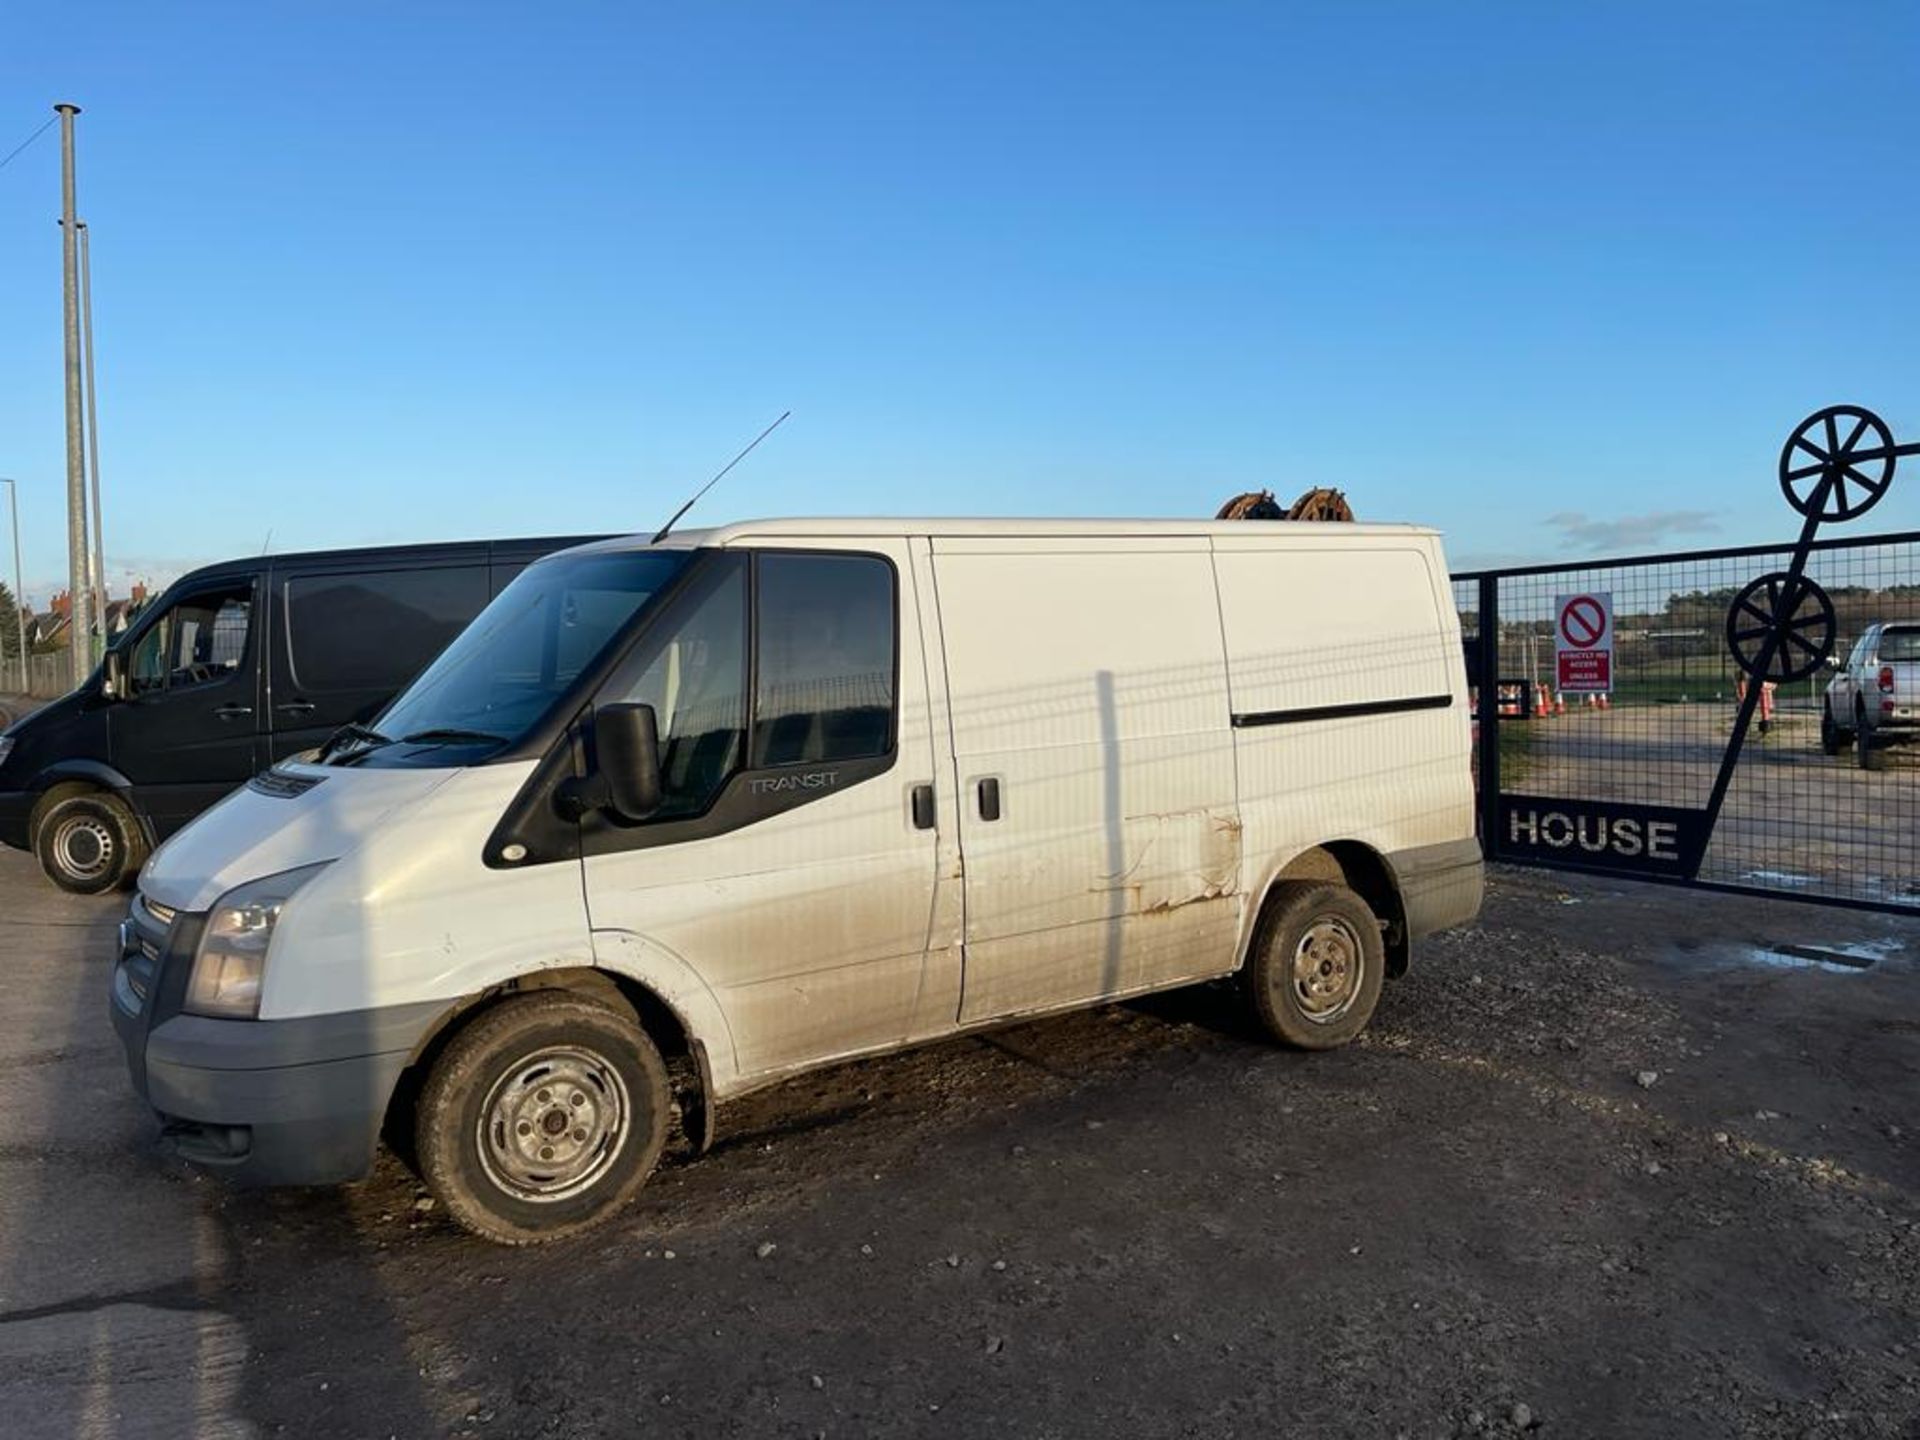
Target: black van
[(236, 666)]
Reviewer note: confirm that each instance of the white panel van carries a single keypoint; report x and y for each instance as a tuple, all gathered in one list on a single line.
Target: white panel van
[(672, 821)]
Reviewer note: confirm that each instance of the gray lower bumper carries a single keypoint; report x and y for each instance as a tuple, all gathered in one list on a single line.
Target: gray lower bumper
[(274, 1102), (1440, 885)]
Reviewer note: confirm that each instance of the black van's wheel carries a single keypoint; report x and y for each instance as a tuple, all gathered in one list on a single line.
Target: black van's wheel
[(90, 843), (1317, 963), (542, 1118)]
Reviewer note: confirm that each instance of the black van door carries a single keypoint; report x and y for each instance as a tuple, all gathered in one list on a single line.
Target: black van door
[(346, 640), (187, 729)]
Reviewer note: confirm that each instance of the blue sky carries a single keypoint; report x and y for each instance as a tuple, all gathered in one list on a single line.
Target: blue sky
[(1556, 279)]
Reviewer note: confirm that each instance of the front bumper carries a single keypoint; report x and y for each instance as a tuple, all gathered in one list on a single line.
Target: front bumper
[(16, 809), (267, 1102)]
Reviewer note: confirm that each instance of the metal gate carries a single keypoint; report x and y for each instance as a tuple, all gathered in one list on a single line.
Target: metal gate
[(1691, 750)]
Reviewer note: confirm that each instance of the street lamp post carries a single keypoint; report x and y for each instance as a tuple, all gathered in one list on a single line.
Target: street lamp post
[(19, 594)]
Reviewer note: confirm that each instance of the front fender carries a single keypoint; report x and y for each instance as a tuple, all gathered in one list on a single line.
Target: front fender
[(681, 989)]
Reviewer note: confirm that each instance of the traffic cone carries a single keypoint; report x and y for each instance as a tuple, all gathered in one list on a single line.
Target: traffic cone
[(1560, 703), (1605, 703), (1540, 707)]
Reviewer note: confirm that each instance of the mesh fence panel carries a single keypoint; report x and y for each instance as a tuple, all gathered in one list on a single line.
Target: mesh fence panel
[(1797, 820)]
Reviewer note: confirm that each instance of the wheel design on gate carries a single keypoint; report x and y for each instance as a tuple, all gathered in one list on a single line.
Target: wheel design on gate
[(1838, 463), (1795, 611)]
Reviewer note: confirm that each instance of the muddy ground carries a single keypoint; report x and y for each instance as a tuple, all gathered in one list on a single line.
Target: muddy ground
[(1137, 1221)]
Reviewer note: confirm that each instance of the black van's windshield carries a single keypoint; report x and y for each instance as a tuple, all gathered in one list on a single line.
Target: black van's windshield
[(503, 673)]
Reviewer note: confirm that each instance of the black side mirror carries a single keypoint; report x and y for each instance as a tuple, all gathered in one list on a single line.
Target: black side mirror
[(626, 746), (113, 676)]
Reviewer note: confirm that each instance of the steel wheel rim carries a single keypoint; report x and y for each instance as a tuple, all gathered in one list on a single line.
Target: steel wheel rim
[(1327, 970), (553, 1124), (76, 828)]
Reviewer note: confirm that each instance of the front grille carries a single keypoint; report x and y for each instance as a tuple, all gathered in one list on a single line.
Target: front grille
[(143, 941)]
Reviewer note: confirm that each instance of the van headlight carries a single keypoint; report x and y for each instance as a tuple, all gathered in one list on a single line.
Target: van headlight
[(231, 959)]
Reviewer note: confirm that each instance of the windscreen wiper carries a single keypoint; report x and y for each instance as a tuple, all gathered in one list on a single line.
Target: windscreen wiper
[(366, 736), (452, 735)]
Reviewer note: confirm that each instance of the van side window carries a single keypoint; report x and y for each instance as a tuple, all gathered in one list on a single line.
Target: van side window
[(824, 690), (375, 629), (198, 641), (696, 683)]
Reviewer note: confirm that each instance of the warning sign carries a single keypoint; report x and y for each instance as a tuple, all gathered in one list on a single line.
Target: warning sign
[(1583, 643)]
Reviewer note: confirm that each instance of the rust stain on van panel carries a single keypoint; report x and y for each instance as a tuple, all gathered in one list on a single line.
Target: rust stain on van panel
[(1177, 859)]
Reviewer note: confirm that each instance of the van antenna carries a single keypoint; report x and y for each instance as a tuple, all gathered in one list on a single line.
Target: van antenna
[(661, 534), (267, 544)]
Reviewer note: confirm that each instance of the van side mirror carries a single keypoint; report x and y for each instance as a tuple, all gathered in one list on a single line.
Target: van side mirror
[(113, 676), (626, 747)]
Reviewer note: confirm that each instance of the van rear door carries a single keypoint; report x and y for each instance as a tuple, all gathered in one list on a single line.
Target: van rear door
[(345, 640)]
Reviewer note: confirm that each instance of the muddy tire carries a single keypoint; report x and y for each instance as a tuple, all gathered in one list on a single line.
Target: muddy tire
[(1832, 738), (1318, 960), (542, 1118), (89, 844)]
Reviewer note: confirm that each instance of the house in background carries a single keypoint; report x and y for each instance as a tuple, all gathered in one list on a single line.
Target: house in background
[(47, 629)]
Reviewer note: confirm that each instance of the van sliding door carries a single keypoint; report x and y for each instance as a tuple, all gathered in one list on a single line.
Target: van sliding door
[(1092, 740)]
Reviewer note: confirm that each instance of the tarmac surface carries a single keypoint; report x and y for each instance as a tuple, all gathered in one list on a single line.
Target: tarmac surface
[(1607, 1164)]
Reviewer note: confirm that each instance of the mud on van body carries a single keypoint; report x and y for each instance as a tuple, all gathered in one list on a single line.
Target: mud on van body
[(765, 797)]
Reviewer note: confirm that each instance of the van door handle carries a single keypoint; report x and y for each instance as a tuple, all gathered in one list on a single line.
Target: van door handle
[(922, 807), (296, 707), (232, 712), (989, 792)]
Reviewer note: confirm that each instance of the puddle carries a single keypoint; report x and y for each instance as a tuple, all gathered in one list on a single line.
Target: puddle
[(1777, 877), (1847, 958)]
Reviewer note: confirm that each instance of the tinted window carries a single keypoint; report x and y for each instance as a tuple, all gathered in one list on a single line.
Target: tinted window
[(1902, 644), (695, 678), (198, 641), (825, 678), (376, 630)]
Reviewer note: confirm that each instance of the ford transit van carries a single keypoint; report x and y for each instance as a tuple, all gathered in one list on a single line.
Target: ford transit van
[(672, 821), (235, 666)]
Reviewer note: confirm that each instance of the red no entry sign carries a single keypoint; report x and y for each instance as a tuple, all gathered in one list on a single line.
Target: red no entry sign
[(1583, 643)]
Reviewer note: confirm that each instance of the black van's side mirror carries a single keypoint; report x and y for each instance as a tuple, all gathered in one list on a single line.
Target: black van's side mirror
[(626, 747), (113, 676)]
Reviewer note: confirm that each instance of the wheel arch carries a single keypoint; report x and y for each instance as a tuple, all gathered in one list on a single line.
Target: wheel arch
[(1363, 870), (688, 1070), (66, 778)]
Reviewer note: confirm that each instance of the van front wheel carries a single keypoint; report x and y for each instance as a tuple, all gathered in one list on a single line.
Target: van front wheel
[(1318, 959), (90, 843), (542, 1117)]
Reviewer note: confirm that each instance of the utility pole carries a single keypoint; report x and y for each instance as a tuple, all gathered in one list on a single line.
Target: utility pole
[(19, 591), (99, 565), (80, 628)]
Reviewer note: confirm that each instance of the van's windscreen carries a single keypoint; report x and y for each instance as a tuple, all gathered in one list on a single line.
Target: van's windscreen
[(520, 654)]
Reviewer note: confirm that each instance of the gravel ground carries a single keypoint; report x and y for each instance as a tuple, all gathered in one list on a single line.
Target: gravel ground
[(1596, 1170)]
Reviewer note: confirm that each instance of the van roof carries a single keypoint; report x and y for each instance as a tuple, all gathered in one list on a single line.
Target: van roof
[(823, 527)]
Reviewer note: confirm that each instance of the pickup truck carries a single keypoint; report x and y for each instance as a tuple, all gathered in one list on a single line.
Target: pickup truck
[(1874, 699)]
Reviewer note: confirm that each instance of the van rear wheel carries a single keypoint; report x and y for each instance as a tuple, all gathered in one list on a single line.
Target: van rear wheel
[(90, 843), (1317, 963), (542, 1118)]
